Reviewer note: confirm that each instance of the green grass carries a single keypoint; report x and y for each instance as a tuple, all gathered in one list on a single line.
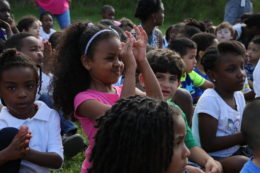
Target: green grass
[(73, 165), (175, 10)]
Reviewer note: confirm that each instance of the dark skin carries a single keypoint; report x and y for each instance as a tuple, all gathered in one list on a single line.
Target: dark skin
[(229, 74), (18, 88), (183, 99), (155, 19), (6, 19), (18, 148)]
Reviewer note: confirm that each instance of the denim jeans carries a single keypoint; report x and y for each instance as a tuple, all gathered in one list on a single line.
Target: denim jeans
[(6, 137), (234, 10), (63, 19)]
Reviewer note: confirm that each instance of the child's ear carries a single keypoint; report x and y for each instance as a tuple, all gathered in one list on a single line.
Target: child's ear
[(85, 62), (212, 75), (141, 80), (201, 53)]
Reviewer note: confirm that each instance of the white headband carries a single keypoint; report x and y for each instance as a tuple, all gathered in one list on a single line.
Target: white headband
[(97, 34)]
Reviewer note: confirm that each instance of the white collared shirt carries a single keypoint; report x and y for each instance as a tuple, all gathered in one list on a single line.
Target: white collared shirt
[(45, 128)]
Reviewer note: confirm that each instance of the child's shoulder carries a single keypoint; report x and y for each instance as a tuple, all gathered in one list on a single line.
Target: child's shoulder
[(250, 167), (44, 112)]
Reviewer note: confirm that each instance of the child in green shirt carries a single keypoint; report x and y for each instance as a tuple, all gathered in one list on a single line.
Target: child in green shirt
[(168, 68)]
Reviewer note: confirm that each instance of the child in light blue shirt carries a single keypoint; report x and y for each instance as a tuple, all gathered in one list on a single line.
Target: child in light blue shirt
[(251, 131)]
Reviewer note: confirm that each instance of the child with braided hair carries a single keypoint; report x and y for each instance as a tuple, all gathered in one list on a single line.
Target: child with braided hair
[(139, 134), (42, 148)]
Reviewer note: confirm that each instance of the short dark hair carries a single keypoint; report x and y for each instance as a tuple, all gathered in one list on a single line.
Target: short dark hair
[(106, 7), (166, 61), (16, 41), (253, 20), (181, 45), (45, 13), (203, 40), (250, 124), (256, 40), (135, 128), (147, 7), (212, 55)]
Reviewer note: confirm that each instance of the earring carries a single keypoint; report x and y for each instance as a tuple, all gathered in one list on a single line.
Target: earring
[(214, 80)]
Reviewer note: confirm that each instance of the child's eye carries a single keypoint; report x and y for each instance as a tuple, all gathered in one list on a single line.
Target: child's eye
[(11, 88), (173, 79), (110, 58), (30, 86)]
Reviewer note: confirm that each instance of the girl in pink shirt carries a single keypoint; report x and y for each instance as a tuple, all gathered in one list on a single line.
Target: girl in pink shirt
[(92, 58)]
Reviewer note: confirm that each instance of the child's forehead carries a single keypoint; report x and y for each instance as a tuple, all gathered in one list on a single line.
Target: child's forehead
[(47, 16), (166, 73), (30, 41), (22, 72)]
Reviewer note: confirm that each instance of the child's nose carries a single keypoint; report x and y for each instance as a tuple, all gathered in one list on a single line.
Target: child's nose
[(21, 93), (187, 151)]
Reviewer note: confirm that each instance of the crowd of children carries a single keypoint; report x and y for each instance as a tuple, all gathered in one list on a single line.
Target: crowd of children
[(183, 103)]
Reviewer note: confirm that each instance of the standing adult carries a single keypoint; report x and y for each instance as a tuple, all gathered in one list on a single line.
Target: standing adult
[(58, 8), (234, 9), (151, 14)]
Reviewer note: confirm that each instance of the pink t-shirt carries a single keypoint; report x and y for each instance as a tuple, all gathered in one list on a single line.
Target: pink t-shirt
[(88, 124), (54, 6)]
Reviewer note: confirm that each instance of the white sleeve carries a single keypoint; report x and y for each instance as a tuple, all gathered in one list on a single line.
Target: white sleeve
[(256, 82), (208, 105), (55, 141)]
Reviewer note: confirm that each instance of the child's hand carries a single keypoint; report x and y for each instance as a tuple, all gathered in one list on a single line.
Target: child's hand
[(19, 145), (47, 49), (139, 47), (5, 25), (213, 166), (192, 169), (126, 53)]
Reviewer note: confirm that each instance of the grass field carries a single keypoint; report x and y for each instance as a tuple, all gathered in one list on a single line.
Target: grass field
[(175, 10), (89, 10)]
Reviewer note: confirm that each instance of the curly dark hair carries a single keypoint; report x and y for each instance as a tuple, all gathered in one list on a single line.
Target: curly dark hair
[(147, 7), (166, 61), (11, 58), (213, 54), (135, 135), (26, 22), (70, 77)]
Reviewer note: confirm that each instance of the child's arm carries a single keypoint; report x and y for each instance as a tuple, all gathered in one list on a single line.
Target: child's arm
[(130, 67), (52, 158), (199, 156), (207, 84), (209, 141), (18, 147), (199, 81), (152, 86), (49, 160)]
